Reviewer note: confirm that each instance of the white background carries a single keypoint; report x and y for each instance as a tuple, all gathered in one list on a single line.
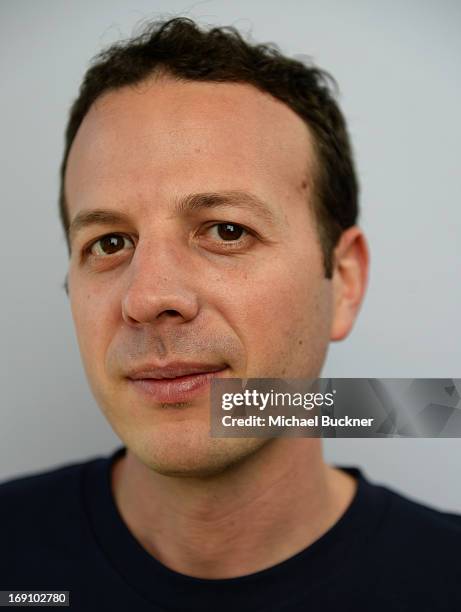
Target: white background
[(397, 64)]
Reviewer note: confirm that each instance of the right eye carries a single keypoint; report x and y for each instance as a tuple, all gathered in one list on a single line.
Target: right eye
[(110, 244)]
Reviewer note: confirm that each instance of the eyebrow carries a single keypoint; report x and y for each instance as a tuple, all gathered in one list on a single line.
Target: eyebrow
[(184, 205), (101, 216), (238, 199)]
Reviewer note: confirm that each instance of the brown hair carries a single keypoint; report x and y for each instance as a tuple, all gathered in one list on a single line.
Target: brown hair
[(178, 47)]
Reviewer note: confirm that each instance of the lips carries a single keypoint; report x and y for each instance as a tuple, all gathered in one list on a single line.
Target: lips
[(173, 370), (174, 382)]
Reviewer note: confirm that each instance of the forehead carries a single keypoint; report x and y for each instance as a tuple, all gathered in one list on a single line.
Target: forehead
[(165, 137)]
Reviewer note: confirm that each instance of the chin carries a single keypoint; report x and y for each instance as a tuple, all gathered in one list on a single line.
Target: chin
[(189, 452)]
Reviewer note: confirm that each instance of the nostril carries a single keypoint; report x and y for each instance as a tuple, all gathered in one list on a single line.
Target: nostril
[(172, 313)]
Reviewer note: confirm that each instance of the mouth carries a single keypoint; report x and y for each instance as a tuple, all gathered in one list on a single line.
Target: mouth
[(175, 384)]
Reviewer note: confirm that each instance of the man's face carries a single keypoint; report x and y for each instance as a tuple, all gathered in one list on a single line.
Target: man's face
[(177, 280)]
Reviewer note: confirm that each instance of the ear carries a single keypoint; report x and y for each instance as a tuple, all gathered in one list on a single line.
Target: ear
[(349, 280), (65, 285)]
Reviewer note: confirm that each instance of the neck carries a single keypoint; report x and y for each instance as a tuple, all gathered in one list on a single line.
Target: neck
[(253, 516)]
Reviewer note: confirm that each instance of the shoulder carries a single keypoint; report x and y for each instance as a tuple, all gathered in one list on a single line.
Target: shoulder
[(44, 528), (418, 546), (37, 499), (38, 483), (416, 522)]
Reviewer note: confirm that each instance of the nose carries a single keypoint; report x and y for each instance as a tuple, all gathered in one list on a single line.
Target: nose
[(160, 287)]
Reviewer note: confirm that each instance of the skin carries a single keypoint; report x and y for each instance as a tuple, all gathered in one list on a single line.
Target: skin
[(177, 292)]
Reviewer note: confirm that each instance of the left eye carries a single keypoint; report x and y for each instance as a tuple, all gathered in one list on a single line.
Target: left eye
[(228, 231), (110, 244)]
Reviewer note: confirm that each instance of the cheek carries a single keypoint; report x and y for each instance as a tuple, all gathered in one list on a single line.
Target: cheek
[(94, 320), (284, 320)]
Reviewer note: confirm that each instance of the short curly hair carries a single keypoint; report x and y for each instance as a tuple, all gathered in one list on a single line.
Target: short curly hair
[(180, 48)]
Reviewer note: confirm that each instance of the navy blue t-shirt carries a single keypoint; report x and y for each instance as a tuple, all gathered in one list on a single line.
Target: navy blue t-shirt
[(61, 530)]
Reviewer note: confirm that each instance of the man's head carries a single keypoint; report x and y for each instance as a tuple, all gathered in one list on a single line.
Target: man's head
[(220, 176), (183, 51)]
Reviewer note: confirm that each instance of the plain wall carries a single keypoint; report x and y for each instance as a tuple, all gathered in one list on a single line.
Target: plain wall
[(397, 65)]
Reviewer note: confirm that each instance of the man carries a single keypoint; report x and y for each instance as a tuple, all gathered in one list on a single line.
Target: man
[(209, 198)]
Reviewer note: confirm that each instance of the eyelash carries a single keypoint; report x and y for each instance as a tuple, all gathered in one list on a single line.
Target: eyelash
[(229, 245), (87, 249)]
